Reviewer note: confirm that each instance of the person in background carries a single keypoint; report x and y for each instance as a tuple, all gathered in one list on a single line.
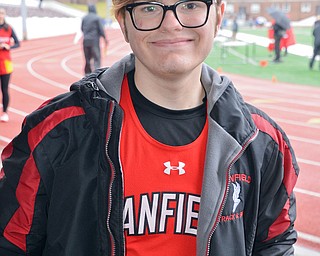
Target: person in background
[(287, 40), (40, 4), (235, 28), (92, 30), (8, 41), (278, 33), (316, 42), (157, 155)]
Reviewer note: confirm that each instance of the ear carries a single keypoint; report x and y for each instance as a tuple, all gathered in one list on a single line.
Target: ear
[(220, 13), (121, 20)]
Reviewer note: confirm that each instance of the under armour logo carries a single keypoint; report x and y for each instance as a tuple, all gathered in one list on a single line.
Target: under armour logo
[(236, 195), (174, 168)]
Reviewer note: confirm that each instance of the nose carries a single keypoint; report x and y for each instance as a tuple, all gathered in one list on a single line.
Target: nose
[(170, 21)]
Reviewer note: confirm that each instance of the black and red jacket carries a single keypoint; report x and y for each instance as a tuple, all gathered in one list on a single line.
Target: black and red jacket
[(61, 191)]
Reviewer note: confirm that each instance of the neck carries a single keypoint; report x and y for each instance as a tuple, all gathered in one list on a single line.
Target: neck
[(175, 92)]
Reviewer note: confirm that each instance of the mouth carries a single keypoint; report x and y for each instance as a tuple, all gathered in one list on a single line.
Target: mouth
[(172, 42)]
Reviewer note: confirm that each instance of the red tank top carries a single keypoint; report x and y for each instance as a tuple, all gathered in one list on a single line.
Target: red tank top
[(5, 56), (162, 187)]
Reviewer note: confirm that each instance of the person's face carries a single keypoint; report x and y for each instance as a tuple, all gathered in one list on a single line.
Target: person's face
[(172, 49), (2, 15)]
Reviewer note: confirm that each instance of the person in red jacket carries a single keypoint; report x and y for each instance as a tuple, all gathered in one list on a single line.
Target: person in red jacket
[(8, 41)]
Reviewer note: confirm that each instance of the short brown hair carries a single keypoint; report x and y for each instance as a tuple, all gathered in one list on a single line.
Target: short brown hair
[(118, 6)]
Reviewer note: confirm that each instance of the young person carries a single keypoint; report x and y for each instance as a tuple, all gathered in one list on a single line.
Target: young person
[(8, 41), (156, 155)]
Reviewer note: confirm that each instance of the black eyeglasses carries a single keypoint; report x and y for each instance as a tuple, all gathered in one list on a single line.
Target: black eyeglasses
[(147, 16)]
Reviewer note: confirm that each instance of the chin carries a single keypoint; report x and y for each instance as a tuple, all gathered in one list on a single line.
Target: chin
[(174, 69)]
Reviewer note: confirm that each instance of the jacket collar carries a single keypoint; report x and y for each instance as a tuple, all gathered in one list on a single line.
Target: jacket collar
[(226, 107)]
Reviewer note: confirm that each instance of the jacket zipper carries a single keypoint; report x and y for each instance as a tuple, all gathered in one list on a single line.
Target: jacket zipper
[(227, 187), (93, 86), (96, 89), (113, 173)]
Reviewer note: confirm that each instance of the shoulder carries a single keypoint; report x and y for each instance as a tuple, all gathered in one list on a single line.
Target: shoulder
[(56, 110), (262, 120), (270, 128)]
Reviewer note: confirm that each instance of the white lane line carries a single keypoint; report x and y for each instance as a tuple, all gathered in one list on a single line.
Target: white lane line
[(66, 67), (299, 250), (271, 105), (308, 237), (119, 44), (305, 140), (5, 139), (297, 123), (17, 111), (35, 51), (278, 99), (43, 78), (309, 162), (286, 91), (307, 192), (29, 93)]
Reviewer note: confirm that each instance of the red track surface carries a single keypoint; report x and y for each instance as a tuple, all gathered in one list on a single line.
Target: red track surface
[(46, 67)]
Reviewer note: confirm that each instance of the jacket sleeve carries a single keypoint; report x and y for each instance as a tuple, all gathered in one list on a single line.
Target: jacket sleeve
[(16, 42), (277, 207), (27, 176), (23, 200)]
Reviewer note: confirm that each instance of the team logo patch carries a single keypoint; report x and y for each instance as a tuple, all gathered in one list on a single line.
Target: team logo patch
[(179, 168), (236, 201), (239, 183), (236, 195)]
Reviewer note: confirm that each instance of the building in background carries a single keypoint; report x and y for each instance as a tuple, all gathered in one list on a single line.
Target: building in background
[(247, 10), (252, 9)]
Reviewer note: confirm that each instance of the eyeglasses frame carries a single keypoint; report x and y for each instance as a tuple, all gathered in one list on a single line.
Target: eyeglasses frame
[(130, 7)]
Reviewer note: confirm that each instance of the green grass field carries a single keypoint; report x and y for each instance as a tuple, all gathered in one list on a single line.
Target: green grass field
[(293, 69), (101, 8)]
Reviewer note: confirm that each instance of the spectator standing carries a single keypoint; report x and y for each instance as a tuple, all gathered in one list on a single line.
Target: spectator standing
[(235, 28), (40, 4), (287, 40), (278, 33), (93, 30), (316, 42), (8, 41), (156, 155)]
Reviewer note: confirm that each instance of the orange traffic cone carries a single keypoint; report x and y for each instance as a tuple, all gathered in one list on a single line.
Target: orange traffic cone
[(263, 63)]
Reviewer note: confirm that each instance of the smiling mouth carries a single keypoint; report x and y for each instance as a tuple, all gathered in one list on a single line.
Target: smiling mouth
[(176, 42)]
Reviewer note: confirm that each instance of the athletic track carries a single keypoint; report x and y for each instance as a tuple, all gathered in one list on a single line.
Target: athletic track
[(46, 67)]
